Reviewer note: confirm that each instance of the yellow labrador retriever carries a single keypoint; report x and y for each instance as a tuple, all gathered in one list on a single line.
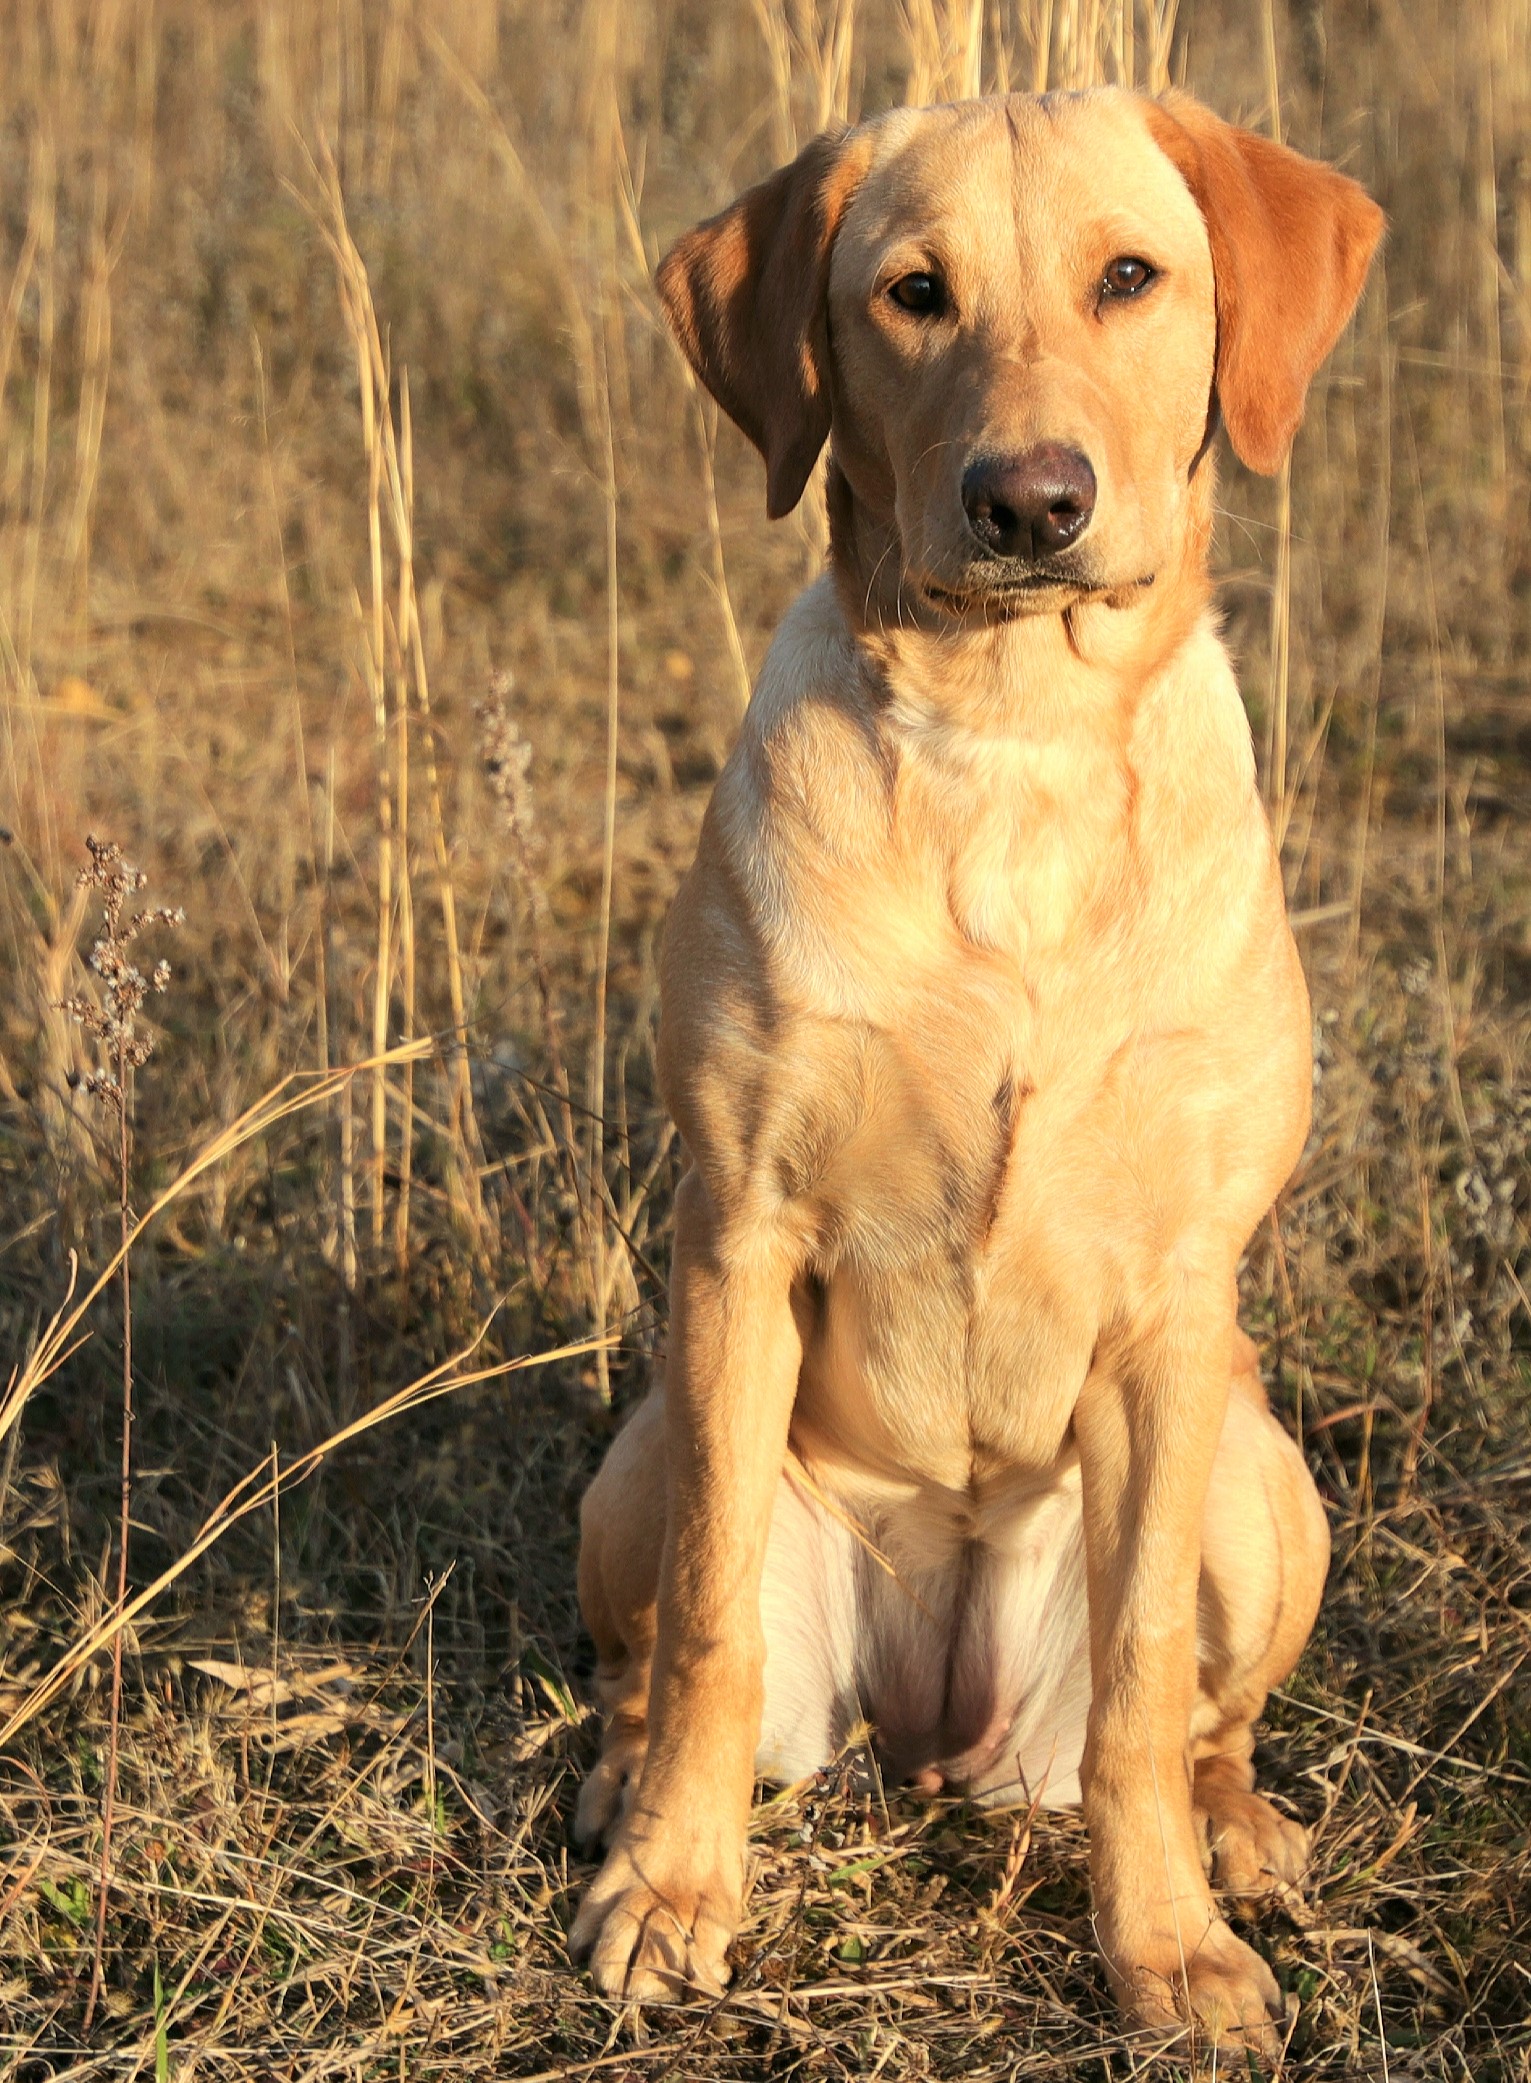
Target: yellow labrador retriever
[(989, 1044)]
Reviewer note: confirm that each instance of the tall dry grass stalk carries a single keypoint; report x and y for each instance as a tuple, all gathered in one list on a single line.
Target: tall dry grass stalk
[(1278, 691), (61, 1066), (388, 447), (958, 48), (1278, 682), (810, 49), (594, 289), (44, 202), (95, 348), (1485, 21), (944, 41), (1381, 563), (1159, 18), (597, 1081), (111, 1021), (602, 184), (707, 438)]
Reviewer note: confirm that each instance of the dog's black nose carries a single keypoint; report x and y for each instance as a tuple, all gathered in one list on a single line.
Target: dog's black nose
[(1029, 505)]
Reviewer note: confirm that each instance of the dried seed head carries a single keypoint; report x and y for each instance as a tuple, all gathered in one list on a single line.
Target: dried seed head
[(507, 759), (111, 1020)]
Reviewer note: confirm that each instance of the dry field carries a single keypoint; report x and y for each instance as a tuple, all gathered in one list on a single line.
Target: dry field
[(370, 573)]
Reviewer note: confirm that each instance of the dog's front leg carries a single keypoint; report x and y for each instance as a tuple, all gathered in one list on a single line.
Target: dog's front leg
[(1148, 1424), (666, 1904)]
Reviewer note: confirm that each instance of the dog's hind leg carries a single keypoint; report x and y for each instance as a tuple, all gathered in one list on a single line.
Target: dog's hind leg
[(622, 1522), (1264, 1558)]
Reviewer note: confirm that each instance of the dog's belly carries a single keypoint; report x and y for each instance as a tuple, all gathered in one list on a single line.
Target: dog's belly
[(926, 1571), (957, 1628)]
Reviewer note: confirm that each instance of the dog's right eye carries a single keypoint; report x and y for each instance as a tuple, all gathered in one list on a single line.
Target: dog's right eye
[(1127, 276), (921, 293)]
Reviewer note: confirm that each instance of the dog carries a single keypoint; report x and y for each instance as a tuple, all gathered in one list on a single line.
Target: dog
[(989, 1045)]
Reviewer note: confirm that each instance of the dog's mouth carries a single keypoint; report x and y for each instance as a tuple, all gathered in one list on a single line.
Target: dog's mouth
[(1000, 595), (1025, 593)]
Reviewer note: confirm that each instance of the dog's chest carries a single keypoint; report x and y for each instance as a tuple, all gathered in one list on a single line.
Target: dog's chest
[(970, 1264), (992, 1106), (1011, 980), (1016, 846), (962, 1293)]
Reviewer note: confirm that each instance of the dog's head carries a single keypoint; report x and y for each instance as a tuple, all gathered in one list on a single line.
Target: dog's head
[(1018, 319)]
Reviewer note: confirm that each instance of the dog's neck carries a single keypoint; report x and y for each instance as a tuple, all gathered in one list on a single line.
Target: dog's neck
[(1019, 676)]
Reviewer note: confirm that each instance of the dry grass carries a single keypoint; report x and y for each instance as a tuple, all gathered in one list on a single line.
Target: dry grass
[(331, 393)]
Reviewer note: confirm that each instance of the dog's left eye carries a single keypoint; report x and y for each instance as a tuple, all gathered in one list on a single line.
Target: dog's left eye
[(921, 293), (1127, 276)]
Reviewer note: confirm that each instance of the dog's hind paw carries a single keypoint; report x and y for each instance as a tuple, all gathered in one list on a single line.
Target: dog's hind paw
[(608, 1788), (1254, 1848)]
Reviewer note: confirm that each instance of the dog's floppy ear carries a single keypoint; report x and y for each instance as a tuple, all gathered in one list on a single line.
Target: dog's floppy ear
[(1291, 243), (746, 295)]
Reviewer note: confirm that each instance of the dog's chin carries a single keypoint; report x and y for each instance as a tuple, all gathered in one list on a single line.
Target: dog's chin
[(1005, 596)]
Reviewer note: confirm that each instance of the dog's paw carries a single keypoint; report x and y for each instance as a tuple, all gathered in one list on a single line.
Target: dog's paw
[(1215, 1989), (652, 1929), (608, 1787), (1254, 1848)]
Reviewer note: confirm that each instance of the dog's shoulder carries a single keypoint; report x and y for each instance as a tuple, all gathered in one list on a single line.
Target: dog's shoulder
[(810, 773), (1199, 815), (1191, 722), (758, 987), (801, 815)]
